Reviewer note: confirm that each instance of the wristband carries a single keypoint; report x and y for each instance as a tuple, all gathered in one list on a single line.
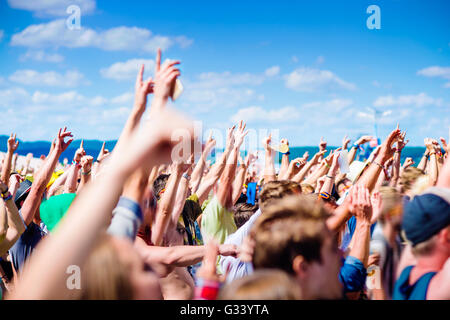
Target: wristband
[(3, 193), (8, 197), (86, 173), (355, 145), (431, 153), (330, 177), (324, 195), (186, 176), (378, 164)]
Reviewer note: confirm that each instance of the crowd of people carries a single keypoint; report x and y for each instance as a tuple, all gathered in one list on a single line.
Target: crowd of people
[(152, 219)]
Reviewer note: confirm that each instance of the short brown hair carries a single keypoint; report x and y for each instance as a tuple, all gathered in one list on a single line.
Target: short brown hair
[(276, 190), (409, 176), (242, 212), (267, 284), (289, 227)]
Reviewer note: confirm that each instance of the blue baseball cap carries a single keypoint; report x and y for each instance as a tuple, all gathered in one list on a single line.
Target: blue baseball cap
[(426, 214)]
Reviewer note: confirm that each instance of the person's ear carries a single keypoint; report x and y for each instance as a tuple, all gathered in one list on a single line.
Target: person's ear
[(300, 266)]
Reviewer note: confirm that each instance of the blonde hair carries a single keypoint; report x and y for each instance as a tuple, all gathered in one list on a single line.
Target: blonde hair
[(391, 200), (420, 185), (105, 276), (265, 284)]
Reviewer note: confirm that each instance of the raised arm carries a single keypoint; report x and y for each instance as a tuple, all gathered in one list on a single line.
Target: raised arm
[(355, 147), (147, 148), (86, 169), (225, 193), (269, 166), (397, 155), (197, 174), (216, 171), (284, 160), (304, 171), (362, 209), (370, 175), (14, 224), (40, 182), (6, 168), (166, 206), (71, 182), (327, 187), (433, 171)]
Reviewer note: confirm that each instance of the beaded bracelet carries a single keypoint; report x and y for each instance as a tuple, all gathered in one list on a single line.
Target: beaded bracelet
[(8, 197)]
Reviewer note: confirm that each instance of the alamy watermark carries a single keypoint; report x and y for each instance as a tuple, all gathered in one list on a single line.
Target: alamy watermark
[(73, 22)]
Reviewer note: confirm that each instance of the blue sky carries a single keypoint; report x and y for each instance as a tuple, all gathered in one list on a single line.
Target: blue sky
[(307, 68)]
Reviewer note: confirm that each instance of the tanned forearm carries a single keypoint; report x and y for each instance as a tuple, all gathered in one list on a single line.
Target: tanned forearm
[(38, 187)]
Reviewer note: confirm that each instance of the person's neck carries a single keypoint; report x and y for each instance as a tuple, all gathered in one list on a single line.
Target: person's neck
[(431, 263)]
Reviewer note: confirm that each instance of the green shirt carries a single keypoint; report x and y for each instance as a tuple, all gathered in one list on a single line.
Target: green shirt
[(217, 222)]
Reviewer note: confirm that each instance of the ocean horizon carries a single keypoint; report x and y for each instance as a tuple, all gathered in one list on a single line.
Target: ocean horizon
[(92, 147)]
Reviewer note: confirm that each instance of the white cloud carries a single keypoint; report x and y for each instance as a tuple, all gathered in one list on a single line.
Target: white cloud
[(214, 79), (435, 71), (334, 104), (41, 56), (273, 71), (126, 98), (418, 100), (38, 115), (310, 80), (294, 59), (258, 114), (45, 8), (447, 85), (55, 34), (127, 70), (50, 78)]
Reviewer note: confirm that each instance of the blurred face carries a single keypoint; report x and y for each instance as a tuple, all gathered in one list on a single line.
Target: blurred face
[(143, 280), (322, 278), (344, 187)]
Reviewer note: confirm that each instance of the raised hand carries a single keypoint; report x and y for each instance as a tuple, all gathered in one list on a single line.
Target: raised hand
[(322, 144), (79, 153), (360, 204), (363, 139), (60, 144), (230, 137), (103, 153), (240, 134), (86, 163), (142, 89), (445, 145), (13, 143), (266, 143), (401, 143), (317, 156), (210, 143), (306, 155), (165, 76), (345, 142), (386, 150), (408, 162)]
